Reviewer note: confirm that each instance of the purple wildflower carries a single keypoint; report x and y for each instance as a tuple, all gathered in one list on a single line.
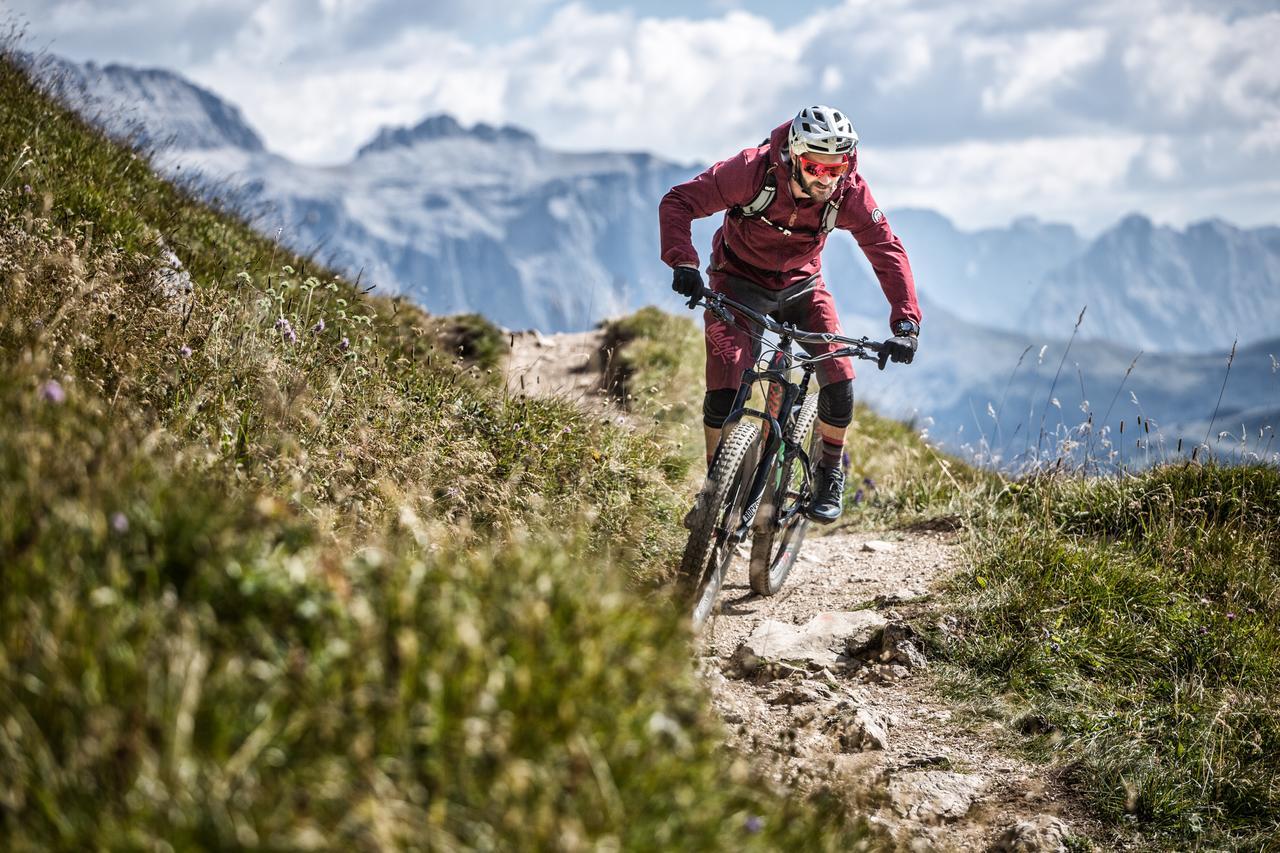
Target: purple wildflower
[(344, 344), (26, 188), (1055, 648), (318, 327), (185, 352), (868, 482), (286, 330), (52, 392), (1204, 630), (753, 824), (120, 522), (1231, 616), (857, 496)]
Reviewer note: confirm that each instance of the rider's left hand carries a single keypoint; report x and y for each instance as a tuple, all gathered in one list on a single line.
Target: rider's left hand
[(901, 349)]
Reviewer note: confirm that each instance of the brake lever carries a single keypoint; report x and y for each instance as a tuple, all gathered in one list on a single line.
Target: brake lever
[(712, 305), (883, 359)]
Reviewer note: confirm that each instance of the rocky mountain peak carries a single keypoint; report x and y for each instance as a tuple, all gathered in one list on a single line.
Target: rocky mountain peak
[(443, 126), (1133, 225), (150, 106)]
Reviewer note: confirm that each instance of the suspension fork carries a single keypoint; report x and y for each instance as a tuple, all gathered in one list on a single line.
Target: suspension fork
[(781, 398)]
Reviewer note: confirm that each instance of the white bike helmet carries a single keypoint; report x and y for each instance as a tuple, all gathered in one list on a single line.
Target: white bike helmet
[(821, 130)]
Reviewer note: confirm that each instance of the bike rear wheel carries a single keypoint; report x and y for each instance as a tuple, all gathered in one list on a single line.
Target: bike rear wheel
[(709, 551), (774, 547)]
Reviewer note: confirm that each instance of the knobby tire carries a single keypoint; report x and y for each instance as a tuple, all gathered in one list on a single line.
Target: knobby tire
[(707, 555)]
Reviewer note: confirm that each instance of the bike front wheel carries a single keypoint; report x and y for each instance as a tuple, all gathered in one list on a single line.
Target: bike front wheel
[(775, 547), (710, 548)]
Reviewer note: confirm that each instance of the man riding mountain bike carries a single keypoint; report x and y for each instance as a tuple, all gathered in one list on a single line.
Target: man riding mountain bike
[(782, 199)]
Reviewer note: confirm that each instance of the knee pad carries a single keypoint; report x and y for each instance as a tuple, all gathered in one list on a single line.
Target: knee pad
[(835, 403), (716, 406)]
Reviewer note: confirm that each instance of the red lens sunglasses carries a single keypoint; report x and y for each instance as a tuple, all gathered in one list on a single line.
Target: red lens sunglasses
[(822, 170)]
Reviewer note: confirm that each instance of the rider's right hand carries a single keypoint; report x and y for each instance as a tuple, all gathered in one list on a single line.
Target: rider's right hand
[(687, 282)]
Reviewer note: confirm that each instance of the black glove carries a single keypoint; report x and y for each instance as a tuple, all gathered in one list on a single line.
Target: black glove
[(901, 349), (902, 346), (687, 282)]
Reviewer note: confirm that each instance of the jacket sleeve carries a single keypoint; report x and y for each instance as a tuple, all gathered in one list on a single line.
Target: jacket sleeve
[(860, 216), (729, 183)]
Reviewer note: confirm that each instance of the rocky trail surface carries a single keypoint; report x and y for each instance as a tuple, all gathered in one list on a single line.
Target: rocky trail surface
[(826, 683)]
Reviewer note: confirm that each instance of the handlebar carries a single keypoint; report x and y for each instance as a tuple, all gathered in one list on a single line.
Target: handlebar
[(720, 305)]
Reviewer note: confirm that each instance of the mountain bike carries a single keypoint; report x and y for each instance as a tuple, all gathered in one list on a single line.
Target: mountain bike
[(760, 482)]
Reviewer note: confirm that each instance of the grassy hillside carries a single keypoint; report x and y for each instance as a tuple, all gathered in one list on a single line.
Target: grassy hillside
[(1124, 628), (1130, 627), (279, 569)]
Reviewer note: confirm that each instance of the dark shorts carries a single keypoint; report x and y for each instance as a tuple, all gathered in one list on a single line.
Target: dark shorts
[(808, 305)]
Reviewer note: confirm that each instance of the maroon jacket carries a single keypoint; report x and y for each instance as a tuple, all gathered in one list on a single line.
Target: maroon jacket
[(751, 249)]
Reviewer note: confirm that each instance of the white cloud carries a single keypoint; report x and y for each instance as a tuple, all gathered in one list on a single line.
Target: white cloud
[(832, 79), (1030, 69), (1186, 64), (615, 81), (980, 183)]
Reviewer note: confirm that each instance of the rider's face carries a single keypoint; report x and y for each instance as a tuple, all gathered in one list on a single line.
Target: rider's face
[(820, 187)]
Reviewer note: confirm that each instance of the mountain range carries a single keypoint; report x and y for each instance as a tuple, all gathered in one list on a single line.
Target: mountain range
[(486, 219)]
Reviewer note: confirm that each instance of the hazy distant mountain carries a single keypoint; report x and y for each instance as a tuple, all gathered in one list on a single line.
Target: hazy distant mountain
[(1153, 287), (558, 240), (963, 368), (988, 276), (152, 107)]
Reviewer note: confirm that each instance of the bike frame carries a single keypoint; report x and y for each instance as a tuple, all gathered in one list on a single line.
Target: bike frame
[(783, 398)]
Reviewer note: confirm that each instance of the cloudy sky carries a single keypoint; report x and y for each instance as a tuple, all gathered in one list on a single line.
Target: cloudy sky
[(1080, 110)]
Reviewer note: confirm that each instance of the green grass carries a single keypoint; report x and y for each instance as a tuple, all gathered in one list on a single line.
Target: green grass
[(267, 583), (1134, 619)]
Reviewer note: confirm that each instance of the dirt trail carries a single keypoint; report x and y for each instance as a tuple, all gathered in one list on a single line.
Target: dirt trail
[(928, 772), (566, 365)]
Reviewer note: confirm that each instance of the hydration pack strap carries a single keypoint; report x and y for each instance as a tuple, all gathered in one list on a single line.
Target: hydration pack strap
[(830, 212), (764, 197)]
